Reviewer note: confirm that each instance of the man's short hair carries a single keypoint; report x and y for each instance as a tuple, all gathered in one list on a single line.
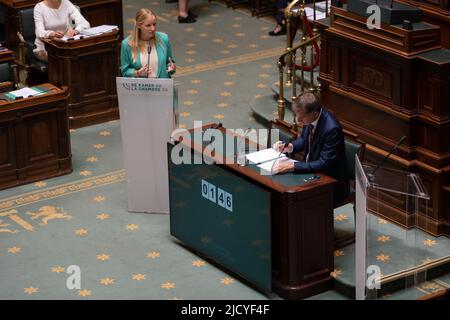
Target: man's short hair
[(309, 101)]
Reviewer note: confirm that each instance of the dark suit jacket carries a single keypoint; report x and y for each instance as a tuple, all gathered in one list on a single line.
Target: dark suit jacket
[(327, 154)]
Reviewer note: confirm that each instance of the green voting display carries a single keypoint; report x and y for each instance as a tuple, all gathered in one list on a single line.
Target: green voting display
[(223, 217)]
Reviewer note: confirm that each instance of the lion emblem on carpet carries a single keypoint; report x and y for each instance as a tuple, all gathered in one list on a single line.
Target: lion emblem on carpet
[(49, 213), (6, 230)]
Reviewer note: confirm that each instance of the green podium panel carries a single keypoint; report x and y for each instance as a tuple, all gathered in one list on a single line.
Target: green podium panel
[(223, 217)]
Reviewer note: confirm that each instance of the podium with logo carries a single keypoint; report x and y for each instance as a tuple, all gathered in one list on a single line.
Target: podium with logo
[(147, 120)]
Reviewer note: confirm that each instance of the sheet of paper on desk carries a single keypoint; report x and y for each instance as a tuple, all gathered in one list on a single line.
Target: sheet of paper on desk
[(77, 37), (25, 92), (266, 167), (262, 155), (105, 28)]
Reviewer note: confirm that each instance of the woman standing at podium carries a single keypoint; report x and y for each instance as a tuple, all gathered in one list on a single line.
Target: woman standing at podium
[(146, 53), (53, 19)]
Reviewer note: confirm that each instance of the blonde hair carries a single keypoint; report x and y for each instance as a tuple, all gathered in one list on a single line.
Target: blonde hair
[(141, 16)]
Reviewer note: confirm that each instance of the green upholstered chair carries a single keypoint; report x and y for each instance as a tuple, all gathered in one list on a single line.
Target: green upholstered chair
[(27, 36), (353, 146)]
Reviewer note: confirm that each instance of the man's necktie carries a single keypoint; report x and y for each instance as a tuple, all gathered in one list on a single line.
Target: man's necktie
[(310, 138)]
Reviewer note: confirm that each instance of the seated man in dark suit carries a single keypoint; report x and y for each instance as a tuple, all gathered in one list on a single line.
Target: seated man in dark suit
[(322, 140)]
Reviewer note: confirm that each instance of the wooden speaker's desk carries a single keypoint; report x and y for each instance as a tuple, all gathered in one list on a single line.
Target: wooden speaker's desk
[(297, 236), (88, 67), (34, 137)]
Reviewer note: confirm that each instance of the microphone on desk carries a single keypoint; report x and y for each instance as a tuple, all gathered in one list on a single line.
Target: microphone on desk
[(371, 175), (284, 147), (149, 51)]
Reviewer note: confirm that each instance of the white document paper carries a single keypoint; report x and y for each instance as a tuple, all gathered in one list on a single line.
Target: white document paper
[(25, 92), (266, 167), (263, 155), (105, 28), (76, 37)]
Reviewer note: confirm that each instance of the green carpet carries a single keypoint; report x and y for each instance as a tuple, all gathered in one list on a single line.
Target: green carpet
[(224, 61)]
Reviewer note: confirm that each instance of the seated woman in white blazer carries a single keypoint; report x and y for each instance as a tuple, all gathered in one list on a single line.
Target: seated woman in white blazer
[(52, 19)]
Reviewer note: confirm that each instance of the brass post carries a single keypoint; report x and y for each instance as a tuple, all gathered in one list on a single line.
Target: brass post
[(281, 102)]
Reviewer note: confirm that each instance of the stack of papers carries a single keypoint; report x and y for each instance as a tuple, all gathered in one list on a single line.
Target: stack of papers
[(25, 93), (266, 158), (105, 28)]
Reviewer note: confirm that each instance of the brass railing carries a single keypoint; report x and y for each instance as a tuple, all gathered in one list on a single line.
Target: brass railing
[(287, 60)]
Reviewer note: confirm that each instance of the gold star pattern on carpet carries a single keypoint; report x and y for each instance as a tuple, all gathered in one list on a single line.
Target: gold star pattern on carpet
[(264, 28), (189, 60), (153, 255), (259, 96), (203, 35), (58, 269), (225, 51), (231, 73), (182, 126), (91, 159), (237, 18), (81, 232), (84, 293), (190, 44), (192, 91), (338, 253), (236, 25), (132, 227), (336, 273), (102, 216), (266, 66), (228, 83), (263, 75), (226, 281), (232, 46), (196, 81), (30, 290), (168, 285), (239, 34), (103, 256), (107, 281), (139, 276), (184, 114), (85, 173), (261, 85), (189, 29), (207, 23), (225, 94), (188, 103), (99, 198), (222, 105), (14, 250), (265, 36), (384, 238), (341, 217), (253, 45), (217, 40), (198, 263), (191, 52), (215, 15), (429, 243), (383, 257), (98, 146), (40, 184), (218, 116), (105, 133)]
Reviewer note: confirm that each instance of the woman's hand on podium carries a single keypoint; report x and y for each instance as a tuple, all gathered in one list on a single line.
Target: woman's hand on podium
[(71, 32), (171, 67), (144, 72), (56, 34)]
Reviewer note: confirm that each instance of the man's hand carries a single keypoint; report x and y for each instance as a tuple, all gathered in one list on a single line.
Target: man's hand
[(279, 145), (283, 165)]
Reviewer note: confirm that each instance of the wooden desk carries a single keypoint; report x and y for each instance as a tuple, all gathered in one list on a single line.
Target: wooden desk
[(388, 83), (97, 12), (34, 138), (301, 219), (88, 67)]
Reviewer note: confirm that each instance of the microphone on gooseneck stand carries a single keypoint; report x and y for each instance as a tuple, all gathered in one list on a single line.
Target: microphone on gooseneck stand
[(371, 175), (149, 51), (284, 147)]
